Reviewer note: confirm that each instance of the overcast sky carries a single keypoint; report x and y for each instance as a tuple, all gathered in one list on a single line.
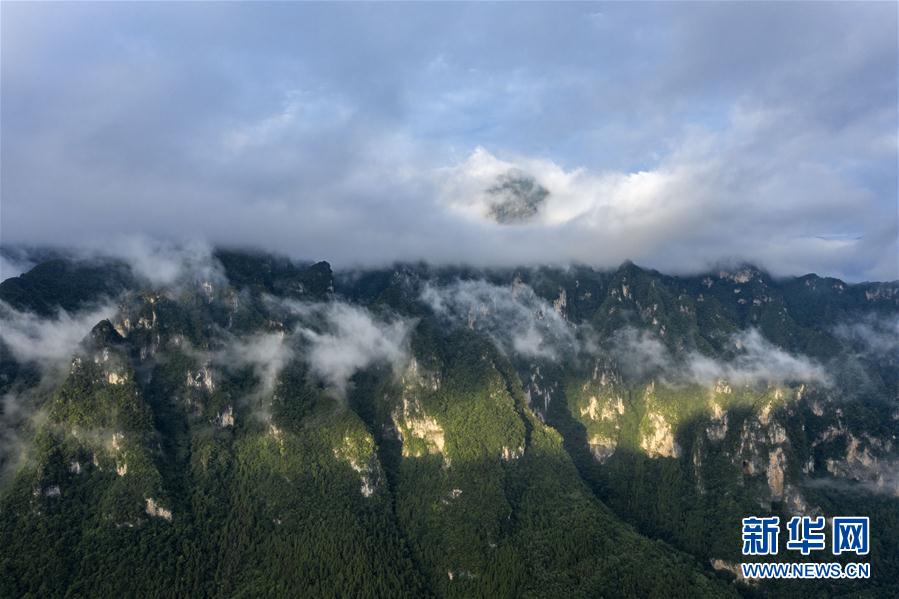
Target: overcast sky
[(675, 135)]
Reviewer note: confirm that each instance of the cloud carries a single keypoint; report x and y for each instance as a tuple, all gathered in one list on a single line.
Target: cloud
[(673, 135), (875, 334), (521, 323), (639, 353), (755, 361), (707, 199), (513, 316), (13, 264), (161, 262), (48, 341), (266, 353), (15, 411), (46, 344), (346, 339), (881, 477)]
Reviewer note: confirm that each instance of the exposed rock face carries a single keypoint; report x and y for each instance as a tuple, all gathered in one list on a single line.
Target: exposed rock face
[(561, 303), (760, 448), (721, 565), (114, 378), (411, 421), (795, 503), (110, 362), (460, 574), (360, 454), (201, 379), (417, 378), (658, 440), (605, 374), (777, 461), (157, 511), (866, 461), (856, 459), (226, 418), (717, 429), (123, 326), (508, 454), (602, 448), (698, 451), (539, 393), (606, 409), (765, 414)]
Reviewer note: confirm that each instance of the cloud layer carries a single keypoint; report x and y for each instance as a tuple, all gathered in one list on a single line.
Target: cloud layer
[(345, 339), (48, 341), (514, 316), (675, 135), (877, 335), (756, 361), (266, 353), (48, 345)]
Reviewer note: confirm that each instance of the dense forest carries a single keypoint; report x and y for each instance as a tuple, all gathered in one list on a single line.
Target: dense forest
[(263, 427)]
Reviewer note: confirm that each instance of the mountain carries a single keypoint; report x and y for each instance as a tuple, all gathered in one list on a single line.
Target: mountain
[(256, 426)]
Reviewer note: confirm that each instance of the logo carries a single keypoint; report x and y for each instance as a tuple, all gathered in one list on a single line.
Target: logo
[(851, 535), (806, 534), (760, 535)]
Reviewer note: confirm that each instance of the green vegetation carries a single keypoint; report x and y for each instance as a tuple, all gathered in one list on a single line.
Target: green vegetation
[(167, 461)]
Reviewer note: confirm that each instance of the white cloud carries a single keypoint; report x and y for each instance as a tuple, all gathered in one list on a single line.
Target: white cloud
[(266, 353), (13, 266), (706, 202), (48, 341), (639, 353), (346, 339), (680, 137), (163, 263), (875, 334), (595, 200), (755, 361), (514, 316)]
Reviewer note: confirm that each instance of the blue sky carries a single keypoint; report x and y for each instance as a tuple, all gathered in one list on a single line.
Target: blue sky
[(676, 135)]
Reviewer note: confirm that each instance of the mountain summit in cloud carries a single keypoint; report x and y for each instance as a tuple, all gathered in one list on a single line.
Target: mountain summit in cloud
[(517, 197)]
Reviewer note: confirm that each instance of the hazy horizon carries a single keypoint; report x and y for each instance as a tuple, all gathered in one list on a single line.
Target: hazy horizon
[(144, 256)]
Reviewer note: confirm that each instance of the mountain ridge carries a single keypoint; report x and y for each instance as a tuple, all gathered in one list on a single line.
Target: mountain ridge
[(518, 432)]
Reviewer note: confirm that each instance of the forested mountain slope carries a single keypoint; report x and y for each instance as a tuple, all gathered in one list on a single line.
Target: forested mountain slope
[(255, 426)]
